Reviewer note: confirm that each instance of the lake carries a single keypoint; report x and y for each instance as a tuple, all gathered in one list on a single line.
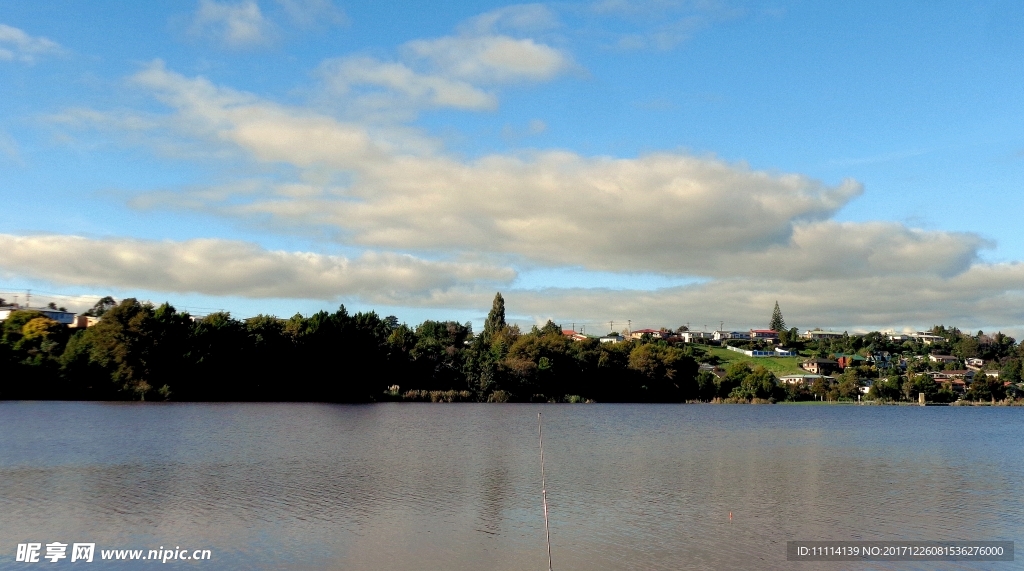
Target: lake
[(457, 487)]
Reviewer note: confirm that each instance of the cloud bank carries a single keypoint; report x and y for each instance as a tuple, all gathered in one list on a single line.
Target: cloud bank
[(225, 267)]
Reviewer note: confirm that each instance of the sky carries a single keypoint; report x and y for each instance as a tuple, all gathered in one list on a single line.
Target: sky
[(643, 163)]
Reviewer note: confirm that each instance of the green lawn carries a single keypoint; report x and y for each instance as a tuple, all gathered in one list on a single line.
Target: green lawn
[(777, 365)]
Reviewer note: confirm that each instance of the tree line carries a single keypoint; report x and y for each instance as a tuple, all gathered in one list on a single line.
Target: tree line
[(138, 351)]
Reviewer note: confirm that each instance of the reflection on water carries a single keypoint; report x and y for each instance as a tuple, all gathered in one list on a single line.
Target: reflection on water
[(457, 487)]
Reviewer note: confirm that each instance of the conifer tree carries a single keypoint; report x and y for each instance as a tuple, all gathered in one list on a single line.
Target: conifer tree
[(496, 318), (777, 324)]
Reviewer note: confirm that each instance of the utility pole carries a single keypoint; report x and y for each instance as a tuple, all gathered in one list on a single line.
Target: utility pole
[(629, 327), (28, 298), (611, 326)]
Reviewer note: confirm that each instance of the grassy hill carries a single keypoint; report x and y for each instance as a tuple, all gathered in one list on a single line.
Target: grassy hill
[(777, 365)]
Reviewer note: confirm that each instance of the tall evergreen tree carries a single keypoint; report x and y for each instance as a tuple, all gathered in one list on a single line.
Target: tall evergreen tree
[(496, 318), (778, 323)]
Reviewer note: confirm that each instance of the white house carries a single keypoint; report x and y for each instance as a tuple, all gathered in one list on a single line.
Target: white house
[(816, 334), (723, 335), (691, 336), (926, 338), (655, 333)]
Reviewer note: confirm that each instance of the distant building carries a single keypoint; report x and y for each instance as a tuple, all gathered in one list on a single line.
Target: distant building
[(574, 335), (612, 339), (964, 375), (65, 317), (818, 334), (926, 338), (819, 366), (725, 335), (943, 359), (83, 321), (805, 380), (655, 333), (691, 336), (763, 335)]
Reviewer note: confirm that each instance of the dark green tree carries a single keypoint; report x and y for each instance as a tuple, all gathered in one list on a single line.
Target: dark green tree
[(496, 318), (887, 388), (777, 323), (102, 306), (759, 383)]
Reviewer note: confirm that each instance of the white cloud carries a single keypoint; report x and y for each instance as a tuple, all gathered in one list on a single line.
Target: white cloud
[(450, 71), (16, 45), (224, 267), (402, 86), (986, 296), (490, 58), (237, 26)]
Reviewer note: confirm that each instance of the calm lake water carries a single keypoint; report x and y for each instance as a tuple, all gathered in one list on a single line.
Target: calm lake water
[(457, 487)]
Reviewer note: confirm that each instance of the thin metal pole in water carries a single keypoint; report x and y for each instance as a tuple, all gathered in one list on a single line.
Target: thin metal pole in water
[(544, 488)]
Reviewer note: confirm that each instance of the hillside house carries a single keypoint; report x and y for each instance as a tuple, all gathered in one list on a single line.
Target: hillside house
[(943, 359), (818, 334), (692, 336), (574, 335), (926, 338), (769, 335), (726, 335), (818, 366), (805, 380)]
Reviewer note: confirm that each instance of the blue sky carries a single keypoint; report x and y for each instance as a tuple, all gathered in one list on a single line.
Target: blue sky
[(663, 162)]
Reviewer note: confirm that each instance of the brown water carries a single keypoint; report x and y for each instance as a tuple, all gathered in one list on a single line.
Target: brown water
[(457, 487)]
